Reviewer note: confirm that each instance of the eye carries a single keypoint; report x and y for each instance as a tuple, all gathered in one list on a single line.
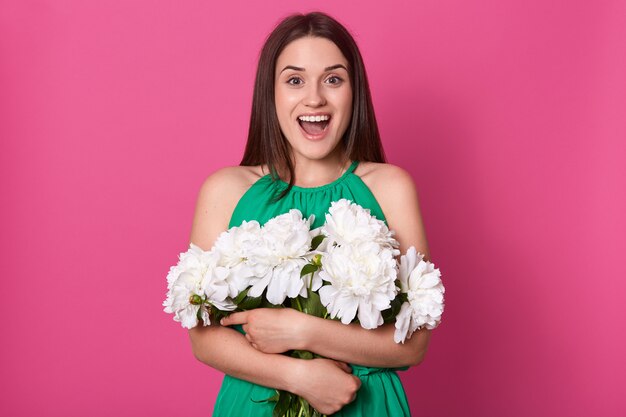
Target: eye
[(333, 79), (294, 81)]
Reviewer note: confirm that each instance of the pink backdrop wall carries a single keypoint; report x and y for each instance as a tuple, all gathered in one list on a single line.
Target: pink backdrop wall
[(510, 116)]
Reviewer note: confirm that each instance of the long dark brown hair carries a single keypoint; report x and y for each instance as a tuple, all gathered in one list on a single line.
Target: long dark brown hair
[(266, 143)]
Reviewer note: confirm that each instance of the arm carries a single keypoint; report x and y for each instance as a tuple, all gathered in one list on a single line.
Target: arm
[(357, 345), (278, 330), (271, 330), (326, 384), (240, 359), (396, 193)]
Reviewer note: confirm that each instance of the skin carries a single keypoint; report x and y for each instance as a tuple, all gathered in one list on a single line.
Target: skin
[(313, 89), (327, 384)]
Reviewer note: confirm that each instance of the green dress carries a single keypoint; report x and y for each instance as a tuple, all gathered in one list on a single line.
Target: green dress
[(381, 393)]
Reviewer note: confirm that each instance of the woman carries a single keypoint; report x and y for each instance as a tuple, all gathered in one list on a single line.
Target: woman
[(312, 126)]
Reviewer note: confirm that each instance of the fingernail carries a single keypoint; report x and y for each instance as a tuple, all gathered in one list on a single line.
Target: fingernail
[(222, 322)]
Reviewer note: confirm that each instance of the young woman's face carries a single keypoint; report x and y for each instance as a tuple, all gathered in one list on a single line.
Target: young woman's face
[(313, 96)]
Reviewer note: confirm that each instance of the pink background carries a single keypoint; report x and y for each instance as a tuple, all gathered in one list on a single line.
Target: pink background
[(510, 116)]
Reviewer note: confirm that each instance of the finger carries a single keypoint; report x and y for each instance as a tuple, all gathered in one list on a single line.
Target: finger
[(248, 337), (353, 397), (343, 366), (235, 318)]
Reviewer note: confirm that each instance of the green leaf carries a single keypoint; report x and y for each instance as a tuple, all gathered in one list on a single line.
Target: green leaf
[(302, 354), (315, 242), (272, 399), (390, 314), (308, 269), (217, 315), (313, 305), (285, 400), (241, 296), (250, 303), (266, 304)]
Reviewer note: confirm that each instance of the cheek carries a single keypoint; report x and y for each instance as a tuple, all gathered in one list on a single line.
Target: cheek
[(343, 101), (348, 101), (346, 107), (283, 113), (281, 109), (284, 103)]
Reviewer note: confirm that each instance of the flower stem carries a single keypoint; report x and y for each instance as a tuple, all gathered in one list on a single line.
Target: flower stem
[(298, 304)]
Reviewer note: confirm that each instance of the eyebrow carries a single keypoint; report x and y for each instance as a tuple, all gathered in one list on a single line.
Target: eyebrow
[(332, 67)]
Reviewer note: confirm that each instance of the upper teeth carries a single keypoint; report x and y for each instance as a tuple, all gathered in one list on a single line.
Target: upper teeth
[(314, 118)]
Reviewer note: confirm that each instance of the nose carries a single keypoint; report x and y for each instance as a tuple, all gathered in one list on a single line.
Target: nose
[(315, 96)]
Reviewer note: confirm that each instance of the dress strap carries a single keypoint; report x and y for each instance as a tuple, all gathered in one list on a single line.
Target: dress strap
[(352, 166)]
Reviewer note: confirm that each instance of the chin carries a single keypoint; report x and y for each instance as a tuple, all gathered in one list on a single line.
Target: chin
[(316, 152)]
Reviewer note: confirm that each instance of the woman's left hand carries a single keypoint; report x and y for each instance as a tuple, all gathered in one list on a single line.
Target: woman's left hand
[(271, 330)]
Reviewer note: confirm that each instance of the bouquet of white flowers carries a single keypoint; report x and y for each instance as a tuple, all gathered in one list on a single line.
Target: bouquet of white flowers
[(344, 270), (195, 285), (358, 265), (245, 262)]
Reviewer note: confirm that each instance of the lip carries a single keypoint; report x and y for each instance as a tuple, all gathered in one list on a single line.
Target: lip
[(315, 114), (321, 135)]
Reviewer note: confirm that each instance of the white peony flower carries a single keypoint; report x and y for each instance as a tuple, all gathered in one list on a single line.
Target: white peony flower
[(235, 247), (362, 281), (236, 243), (286, 281), (349, 223), (193, 282), (421, 281), (216, 285), (185, 287), (277, 262), (190, 259)]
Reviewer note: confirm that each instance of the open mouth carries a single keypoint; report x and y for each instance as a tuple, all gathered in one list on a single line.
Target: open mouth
[(314, 127)]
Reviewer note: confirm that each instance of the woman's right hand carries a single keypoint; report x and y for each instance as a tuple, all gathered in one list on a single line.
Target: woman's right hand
[(328, 385)]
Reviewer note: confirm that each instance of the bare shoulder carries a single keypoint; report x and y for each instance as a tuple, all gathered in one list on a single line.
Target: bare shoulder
[(387, 181), (228, 181), (392, 186), (217, 198), (396, 193)]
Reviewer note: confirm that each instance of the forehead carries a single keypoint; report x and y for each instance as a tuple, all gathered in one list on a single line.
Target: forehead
[(310, 53)]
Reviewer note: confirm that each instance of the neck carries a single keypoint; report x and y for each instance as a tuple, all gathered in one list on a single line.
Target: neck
[(316, 172)]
